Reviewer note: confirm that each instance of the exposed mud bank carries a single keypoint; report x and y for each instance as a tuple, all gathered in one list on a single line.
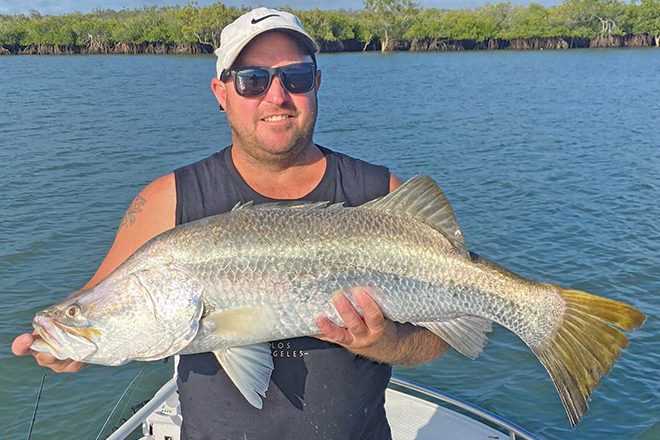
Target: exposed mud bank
[(540, 43), (418, 45), (104, 48)]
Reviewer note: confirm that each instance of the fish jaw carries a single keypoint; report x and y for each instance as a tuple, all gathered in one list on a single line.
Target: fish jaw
[(62, 341)]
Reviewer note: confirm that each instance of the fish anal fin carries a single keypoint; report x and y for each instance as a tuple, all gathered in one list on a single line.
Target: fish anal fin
[(250, 368), (466, 334), (422, 198)]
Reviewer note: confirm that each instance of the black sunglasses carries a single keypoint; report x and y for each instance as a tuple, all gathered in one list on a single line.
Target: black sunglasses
[(251, 82)]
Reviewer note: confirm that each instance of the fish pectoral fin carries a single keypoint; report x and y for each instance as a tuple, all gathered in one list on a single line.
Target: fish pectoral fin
[(244, 324), (466, 334), (249, 367)]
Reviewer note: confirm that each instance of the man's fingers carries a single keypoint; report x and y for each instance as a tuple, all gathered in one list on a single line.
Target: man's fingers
[(352, 320), (373, 316), (21, 345), (67, 366), (57, 365), (330, 332), (48, 360), (74, 367), (360, 330)]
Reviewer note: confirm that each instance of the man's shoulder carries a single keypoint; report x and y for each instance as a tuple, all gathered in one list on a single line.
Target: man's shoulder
[(344, 158), (206, 161), (163, 186), (358, 180)]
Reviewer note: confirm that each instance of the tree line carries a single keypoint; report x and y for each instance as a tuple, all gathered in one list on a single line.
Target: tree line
[(384, 24)]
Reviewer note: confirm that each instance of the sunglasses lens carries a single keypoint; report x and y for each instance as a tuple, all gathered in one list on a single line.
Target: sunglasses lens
[(298, 79), (252, 82)]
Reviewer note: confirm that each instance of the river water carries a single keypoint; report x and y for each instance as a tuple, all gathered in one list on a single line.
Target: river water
[(551, 160)]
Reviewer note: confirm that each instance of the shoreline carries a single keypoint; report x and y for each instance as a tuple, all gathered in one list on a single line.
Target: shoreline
[(415, 45)]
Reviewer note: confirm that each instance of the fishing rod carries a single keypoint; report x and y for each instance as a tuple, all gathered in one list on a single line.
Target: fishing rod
[(36, 407), (117, 404)]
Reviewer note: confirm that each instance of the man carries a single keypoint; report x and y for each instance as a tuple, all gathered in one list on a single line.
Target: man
[(330, 387)]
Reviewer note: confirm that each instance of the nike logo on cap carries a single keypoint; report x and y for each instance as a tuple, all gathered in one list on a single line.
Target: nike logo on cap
[(257, 20)]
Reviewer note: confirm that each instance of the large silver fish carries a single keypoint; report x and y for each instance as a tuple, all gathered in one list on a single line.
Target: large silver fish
[(232, 282)]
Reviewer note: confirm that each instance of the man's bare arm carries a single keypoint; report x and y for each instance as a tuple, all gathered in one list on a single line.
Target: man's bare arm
[(151, 212)]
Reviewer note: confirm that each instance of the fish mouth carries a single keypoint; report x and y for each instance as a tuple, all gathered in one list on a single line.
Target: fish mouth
[(87, 333), (48, 334), (63, 341)]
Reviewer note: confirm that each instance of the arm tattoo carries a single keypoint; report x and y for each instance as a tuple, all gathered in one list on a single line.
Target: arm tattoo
[(129, 217)]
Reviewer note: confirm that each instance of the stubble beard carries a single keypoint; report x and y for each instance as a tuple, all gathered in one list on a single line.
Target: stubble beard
[(280, 157)]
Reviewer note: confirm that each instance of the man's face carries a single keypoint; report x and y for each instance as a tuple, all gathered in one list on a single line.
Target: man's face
[(278, 125)]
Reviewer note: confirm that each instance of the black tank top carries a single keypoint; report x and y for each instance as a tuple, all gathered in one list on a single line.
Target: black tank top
[(318, 390)]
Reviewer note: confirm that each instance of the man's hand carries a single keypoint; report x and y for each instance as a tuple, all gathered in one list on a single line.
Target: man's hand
[(367, 335), (376, 337), (21, 347)]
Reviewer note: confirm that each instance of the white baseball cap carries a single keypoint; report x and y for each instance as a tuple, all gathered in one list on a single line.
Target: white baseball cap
[(236, 35)]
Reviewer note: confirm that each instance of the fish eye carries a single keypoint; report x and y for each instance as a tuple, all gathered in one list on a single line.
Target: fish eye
[(72, 311)]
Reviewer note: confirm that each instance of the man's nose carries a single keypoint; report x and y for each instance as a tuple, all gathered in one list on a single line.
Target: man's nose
[(276, 93)]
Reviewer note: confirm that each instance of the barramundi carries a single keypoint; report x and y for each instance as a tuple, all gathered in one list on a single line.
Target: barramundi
[(230, 283)]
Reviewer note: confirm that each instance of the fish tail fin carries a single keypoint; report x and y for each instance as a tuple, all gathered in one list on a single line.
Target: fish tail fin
[(585, 346)]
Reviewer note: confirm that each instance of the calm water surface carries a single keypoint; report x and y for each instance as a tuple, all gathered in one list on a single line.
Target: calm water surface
[(551, 160)]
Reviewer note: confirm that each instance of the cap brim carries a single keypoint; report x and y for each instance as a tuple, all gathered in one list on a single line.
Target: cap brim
[(229, 58)]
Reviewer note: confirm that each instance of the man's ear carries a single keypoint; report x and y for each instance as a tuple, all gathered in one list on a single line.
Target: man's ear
[(318, 80), (220, 91)]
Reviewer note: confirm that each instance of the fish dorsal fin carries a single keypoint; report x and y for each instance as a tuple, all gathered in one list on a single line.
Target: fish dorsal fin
[(288, 204), (422, 198)]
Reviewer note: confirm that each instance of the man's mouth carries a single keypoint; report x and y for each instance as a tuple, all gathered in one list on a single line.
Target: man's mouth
[(276, 118)]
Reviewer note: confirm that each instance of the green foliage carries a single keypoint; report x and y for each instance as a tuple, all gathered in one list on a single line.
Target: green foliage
[(588, 18), (645, 18), (205, 24), (469, 25), (12, 30), (51, 30), (387, 20), (93, 30), (529, 22), (495, 18), (148, 25), (330, 25), (429, 23)]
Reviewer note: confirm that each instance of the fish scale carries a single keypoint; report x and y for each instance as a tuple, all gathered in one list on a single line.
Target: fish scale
[(230, 283), (409, 258)]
